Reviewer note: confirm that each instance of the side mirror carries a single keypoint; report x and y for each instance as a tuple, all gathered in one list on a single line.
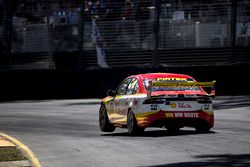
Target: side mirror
[(111, 93)]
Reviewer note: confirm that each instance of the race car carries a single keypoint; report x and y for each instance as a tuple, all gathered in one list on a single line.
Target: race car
[(164, 100)]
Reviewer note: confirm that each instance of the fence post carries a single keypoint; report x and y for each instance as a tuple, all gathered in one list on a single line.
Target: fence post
[(81, 36), (156, 32), (233, 30), (9, 33), (50, 44)]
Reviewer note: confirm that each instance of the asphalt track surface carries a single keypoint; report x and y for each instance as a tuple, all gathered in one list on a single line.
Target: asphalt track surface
[(65, 133)]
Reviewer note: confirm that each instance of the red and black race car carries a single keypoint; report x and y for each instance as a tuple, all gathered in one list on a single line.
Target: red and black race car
[(165, 100)]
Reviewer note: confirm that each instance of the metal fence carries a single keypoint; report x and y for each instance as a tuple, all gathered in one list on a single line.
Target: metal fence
[(34, 33)]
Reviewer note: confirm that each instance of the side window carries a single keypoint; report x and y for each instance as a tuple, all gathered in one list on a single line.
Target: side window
[(133, 87), (136, 89), (123, 87)]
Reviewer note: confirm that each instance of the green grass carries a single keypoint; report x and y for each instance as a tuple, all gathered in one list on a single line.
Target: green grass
[(11, 154)]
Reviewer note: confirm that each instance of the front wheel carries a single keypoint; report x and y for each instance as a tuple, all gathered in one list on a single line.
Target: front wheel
[(104, 123), (133, 128)]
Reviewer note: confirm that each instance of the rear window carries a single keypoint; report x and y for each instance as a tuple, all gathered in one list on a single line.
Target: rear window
[(155, 89)]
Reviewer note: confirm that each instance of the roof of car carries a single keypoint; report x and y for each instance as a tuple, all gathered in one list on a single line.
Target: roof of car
[(162, 75)]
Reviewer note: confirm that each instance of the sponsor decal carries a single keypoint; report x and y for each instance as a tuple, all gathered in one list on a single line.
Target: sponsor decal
[(186, 115), (182, 84), (178, 115), (173, 105), (171, 79), (169, 115), (191, 115), (179, 105), (183, 105)]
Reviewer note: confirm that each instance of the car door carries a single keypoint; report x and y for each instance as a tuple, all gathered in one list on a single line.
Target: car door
[(126, 100), (131, 95), (120, 102)]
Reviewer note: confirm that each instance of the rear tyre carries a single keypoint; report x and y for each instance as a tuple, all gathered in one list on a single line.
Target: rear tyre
[(133, 128), (104, 123), (173, 129), (203, 129)]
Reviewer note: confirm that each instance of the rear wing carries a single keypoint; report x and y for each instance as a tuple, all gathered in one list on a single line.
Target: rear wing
[(181, 84)]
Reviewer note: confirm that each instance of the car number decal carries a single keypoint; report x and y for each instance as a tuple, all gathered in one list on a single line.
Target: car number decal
[(154, 107)]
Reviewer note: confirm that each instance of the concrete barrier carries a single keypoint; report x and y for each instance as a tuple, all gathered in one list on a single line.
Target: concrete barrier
[(44, 84)]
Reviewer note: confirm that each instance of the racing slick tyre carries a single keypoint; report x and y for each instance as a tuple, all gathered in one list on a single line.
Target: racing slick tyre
[(173, 129), (104, 123), (203, 129), (133, 128)]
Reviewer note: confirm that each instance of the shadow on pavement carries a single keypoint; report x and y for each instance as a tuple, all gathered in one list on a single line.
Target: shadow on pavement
[(228, 160), (83, 103), (231, 102), (158, 133)]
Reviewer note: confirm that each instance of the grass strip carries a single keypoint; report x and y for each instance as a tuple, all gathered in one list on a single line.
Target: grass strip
[(10, 154)]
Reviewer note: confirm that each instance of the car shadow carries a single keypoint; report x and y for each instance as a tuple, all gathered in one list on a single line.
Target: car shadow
[(219, 160), (82, 103), (158, 133)]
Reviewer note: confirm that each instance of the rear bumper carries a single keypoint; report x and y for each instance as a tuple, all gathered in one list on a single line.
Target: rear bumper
[(181, 119)]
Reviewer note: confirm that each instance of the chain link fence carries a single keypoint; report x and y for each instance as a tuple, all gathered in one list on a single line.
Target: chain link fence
[(40, 34), (195, 25)]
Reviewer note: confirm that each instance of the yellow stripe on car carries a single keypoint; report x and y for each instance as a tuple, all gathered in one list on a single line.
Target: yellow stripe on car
[(141, 115)]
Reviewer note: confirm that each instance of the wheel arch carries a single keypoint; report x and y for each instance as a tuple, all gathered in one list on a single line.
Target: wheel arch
[(107, 111), (131, 110)]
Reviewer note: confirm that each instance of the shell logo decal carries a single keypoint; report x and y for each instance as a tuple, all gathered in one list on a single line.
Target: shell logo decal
[(173, 105)]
